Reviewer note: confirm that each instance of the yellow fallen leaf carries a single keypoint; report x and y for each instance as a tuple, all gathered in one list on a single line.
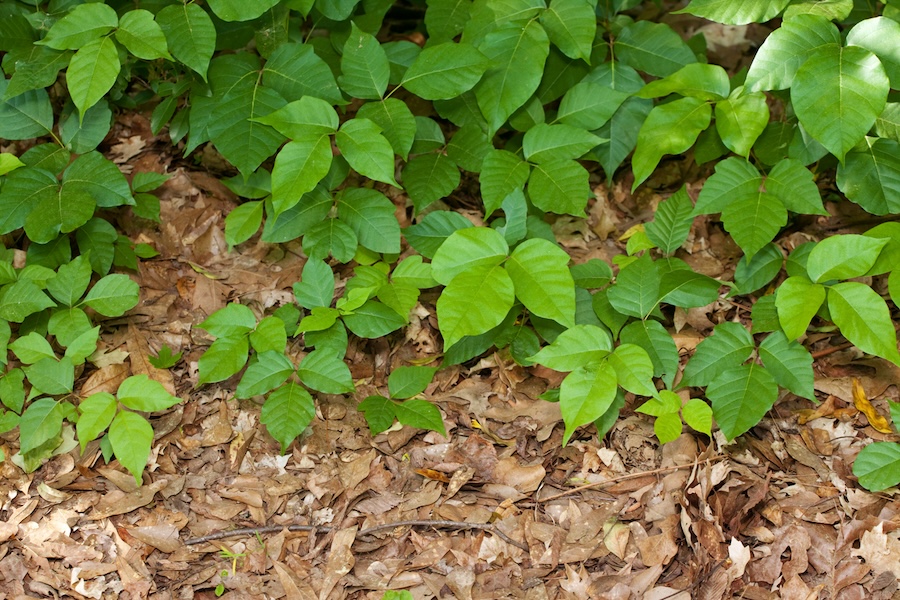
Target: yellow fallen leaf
[(862, 404)]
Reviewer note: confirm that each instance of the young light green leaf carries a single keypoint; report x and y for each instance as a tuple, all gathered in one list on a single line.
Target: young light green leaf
[(92, 72), (544, 143), (876, 35), (894, 286), (695, 80), (445, 71), (518, 54), (307, 118), (847, 85), (97, 412), (466, 249), (141, 35), (474, 302), (83, 24), (379, 413), (428, 178), (543, 283), (139, 392), (657, 343), (316, 285), (427, 236), (877, 466), (420, 414), (575, 347), (634, 369), (367, 151), (113, 295), (797, 301), (224, 358), (559, 186), (571, 25), (130, 436), (666, 403), (741, 397), (242, 222), (406, 382), (667, 427), (287, 413), (735, 180), (21, 299), (789, 363), (238, 10), (864, 319), (672, 222), (698, 415), (585, 395), (501, 174), (324, 372), (729, 346), (364, 66), (190, 34), (235, 320), (870, 176), (669, 129), (80, 343), (31, 348), (740, 120), (785, 49), (654, 48), (736, 13), (843, 257), (636, 291), (269, 334)]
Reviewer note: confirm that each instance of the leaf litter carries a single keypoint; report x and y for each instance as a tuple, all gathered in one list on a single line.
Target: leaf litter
[(498, 509)]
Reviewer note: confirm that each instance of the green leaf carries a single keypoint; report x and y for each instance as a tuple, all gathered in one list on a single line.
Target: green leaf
[(379, 413), (445, 71), (66, 210), (785, 49), (287, 413), (835, 10), (238, 10), (740, 120), (316, 285), (420, 414), (31, 348), (428, 178), (559, 186), (269, 334), (92, 72), (308, 118), (795, 186), (672, 223), (97, 412), (797, 301), (224, 358), (165, 359), (82, 137), (571, 26), (734, 181), (364, 66), (368, 152), (406, 382), (71, 281), (576, 347), (235, 320), (589, 105), (666, 403), (27, 115), (97, 236), (622, 132), (501, 174), (444, 20), (21, 299), (333, 237), (843, 257), (634, 369), (877, 466), (299, 167), (427, 236), (397, 123), (741, 397), (80, 342), (876, 35), (36, 67), (130, 436), (270, 370), (591, 274), (518, 54), (474, 302), (585, 395), (190, 34), (894, 286), (752, 274), (242, 222), (469, 147), (544, 143), (543, 283), (846, 86), (83, 24), (698, 415), (736, 13), (864, 319), (654, 48), (870, 176), (139, 392), (467, 249), (99, 177), (728, 347), (324, 372), (753, 221), (789, 363), (40, 423), (686, 289), (295, 70), (695, 80), (371, 216), (312, 209), (667, 428), (141, 35), (113, 295), (669, 129), (636, 291), (12, 390), (374, 320), (657, 343)]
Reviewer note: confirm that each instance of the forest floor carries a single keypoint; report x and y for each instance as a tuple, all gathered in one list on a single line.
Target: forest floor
[(502, 509)]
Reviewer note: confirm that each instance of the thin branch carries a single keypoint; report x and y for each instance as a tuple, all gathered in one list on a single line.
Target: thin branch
[(598, 484), (246, 531)]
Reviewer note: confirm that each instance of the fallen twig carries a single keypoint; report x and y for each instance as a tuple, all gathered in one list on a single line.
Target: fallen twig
[(245, 531), (598, 484)]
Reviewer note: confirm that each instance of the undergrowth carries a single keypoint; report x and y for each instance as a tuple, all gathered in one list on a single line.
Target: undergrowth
[(321, 105)]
